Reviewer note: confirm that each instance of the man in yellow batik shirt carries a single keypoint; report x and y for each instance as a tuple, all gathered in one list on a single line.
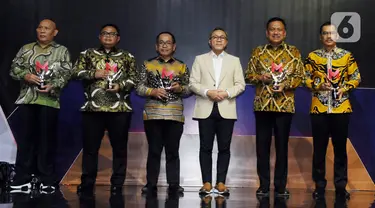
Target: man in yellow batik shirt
[(276, 70), (331, 73)]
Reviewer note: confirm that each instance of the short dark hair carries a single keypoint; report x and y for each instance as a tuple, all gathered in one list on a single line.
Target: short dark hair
[(328, 23), (111, 25), (274, 19), (166, 32), (218, 28)]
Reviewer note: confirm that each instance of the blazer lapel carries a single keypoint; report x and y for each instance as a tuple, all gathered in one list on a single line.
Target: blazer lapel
[(224, 67), (210, 65)]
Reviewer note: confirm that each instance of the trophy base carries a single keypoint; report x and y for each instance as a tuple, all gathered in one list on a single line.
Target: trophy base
[(335, 94), (109, 85), (41, 86)]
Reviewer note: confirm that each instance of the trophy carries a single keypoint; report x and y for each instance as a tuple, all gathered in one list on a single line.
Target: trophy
[(278, 75), (166, 78), (331, 77), (43, 73), (113, 74)]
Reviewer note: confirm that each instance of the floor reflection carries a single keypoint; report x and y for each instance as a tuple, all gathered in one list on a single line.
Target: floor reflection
[(132, 198), (171, 201), (37, 200), (218, 200)]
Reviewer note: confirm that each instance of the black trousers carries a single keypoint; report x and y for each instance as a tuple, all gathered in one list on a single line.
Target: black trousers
[(36, 144), (324, 126), (94, 125), (160, 134), (223, 129), (280, 123)]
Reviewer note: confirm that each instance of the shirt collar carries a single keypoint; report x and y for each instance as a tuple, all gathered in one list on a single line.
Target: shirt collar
[(114, 49), (161, 60), (221, 55), (334, 50), (281, 46), (52, 43)]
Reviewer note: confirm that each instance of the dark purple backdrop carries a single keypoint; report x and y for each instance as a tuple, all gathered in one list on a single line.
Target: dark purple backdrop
[(190, 21)]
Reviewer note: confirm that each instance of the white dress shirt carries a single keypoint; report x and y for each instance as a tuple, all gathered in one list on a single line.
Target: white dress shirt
[(217, 61)]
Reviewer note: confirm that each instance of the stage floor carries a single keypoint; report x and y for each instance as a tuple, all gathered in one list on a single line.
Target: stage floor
[(132, 198), (242, 169)]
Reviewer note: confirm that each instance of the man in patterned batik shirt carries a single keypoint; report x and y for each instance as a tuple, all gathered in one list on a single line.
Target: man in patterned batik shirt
[(43, 68), (331, 74), (108, 75), (164, 81), (276, 70)]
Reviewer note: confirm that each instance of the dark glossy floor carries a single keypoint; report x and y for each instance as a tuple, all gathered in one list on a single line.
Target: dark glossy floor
[(131, 198)]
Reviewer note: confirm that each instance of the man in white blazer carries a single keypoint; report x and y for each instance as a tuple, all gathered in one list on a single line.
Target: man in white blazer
[(216, 79)]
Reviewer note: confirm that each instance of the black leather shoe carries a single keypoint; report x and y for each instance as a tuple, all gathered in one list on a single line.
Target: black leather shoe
[(175, 189), (149, 189), (116, 190), (282, 193), (342, 194), (85, 189), (262, 192), (318, 194)]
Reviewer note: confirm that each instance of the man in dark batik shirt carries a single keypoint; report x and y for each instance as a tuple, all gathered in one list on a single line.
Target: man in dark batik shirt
[(108, 77), (164, 81)]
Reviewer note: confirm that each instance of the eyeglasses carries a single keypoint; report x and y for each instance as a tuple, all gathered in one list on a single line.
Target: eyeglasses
[(110, 34), (161, 43), (219, 37)]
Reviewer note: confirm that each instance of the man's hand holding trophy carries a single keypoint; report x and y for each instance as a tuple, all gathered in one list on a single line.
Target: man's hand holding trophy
[(41, 77), (332, 81), (278, 75), (112, 75)]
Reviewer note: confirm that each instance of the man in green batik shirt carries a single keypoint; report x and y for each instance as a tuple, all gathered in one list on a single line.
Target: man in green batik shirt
[(43, 68), (108, 75)]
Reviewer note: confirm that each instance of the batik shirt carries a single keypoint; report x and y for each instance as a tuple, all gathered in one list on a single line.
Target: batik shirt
[(337, 67), (121, 64), (157, 73), (283, 61), (52, 60)]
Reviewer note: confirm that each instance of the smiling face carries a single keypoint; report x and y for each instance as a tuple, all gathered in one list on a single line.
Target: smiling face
[(218, 41), (329, 36), (46, 31), (109, 37), (165, 45), (276, 32)]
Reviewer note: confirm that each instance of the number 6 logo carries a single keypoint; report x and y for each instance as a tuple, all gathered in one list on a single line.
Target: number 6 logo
[(348, 26)]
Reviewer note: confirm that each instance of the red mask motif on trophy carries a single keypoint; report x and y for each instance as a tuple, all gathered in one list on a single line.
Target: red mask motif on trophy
[(111, 67), (167, 74), (41, 67), (277, 67), (333, 75)]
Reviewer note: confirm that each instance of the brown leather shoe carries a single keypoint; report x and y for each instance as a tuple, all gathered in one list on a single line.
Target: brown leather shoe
[(222, 189), (206, 188), (220, 200), (206, 201)]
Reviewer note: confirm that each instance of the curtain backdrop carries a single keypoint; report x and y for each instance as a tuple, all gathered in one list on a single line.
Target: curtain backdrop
[(190, 21)]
